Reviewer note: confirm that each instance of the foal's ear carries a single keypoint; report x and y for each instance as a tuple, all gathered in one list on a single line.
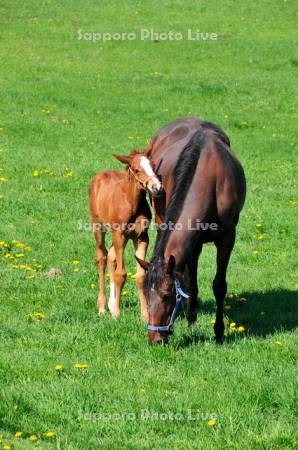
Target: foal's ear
[(123, 159), (144, 264), (171, 264)]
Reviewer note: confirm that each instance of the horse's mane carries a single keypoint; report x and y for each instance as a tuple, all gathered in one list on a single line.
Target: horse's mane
[(183, 176)]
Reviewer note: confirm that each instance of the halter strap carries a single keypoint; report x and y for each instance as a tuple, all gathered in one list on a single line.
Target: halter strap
[(142, 183), (180, 296)]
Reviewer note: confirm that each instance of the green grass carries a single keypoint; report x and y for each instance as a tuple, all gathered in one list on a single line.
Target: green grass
[(66, 105)]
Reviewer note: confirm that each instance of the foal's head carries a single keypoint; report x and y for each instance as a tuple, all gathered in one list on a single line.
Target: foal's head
[(161, 296), (141, 168)]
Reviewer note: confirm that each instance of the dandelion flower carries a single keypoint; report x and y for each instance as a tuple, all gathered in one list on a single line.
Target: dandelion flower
[(81, 366), (76, 269), (212, 321), (279, 343), (241, 329), (7, 447), (3, 179), (212, 422), (93, 286), (226, 321), (76, 261), (69, 174), (18, 434), (49, 434), (33, 438), (124, 293), (59, 368)]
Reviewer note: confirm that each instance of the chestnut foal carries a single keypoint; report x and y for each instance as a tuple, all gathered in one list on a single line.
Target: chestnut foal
[(118, 202)]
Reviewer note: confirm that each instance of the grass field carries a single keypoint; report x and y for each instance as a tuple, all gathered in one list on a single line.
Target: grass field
[(66, 105)]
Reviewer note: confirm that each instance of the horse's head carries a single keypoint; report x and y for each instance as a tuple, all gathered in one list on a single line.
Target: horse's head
[(161, 294), (142, 170)]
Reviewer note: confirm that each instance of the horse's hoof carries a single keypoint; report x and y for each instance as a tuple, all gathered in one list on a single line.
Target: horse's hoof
[(219, 340)]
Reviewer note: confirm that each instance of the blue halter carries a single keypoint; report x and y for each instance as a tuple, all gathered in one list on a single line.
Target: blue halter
[(180, 296)]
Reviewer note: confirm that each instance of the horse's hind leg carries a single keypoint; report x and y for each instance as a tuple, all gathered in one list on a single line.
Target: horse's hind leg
[(119, 243), (224, 248), (101, 262), (141, 245), (112, 268)]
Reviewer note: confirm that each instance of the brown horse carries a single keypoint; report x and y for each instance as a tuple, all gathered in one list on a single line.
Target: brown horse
[(118, 203), (205, 189)]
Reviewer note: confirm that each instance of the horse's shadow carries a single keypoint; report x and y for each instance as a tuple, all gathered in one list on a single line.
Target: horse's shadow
[(261, 313)]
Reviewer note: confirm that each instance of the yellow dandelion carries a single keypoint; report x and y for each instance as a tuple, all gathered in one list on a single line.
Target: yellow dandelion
[(133, 277), (7, 447), (76, 261), (226, 321), (131, 138), (76, 269), (129, 274), (93, 286), (49, 434), (81, 366), (259, 225), (232, 324), (36, 173), (69, 174), (212, 422), (59, 367), (33, 438), (19, 255), (3, 179), (255, 252), (18, 434), (108, 275), (241, 329), (279, 343), (212, 322), (124, 293)]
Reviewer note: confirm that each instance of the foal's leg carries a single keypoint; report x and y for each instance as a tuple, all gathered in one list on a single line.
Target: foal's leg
[(141, 245), (224, 248), (192, 286), (119, 243), (101, 262), (112, 268)]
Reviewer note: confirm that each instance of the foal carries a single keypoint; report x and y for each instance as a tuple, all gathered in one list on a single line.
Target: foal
[(118, 202)]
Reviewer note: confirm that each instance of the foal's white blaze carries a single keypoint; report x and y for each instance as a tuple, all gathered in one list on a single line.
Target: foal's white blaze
[(112, 298), (145, 164), (154, 182)]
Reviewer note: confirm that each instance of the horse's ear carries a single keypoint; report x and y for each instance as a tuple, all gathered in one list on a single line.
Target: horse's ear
[(171, 264), (144, 264), (123, 159)]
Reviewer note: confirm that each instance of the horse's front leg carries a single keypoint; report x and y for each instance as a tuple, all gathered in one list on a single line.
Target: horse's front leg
[(119, 243), (192, 286), (141, 244), (224, 248)]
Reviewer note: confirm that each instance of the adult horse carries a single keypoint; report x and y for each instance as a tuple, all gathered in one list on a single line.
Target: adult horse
[(204, 193)]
